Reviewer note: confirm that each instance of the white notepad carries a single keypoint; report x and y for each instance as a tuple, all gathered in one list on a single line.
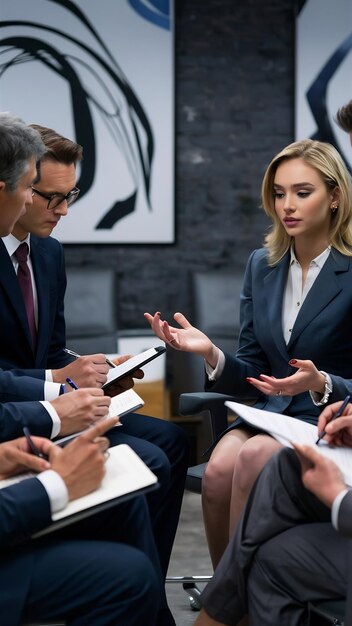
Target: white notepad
[(125, 402), (286, 429), (125, 474)]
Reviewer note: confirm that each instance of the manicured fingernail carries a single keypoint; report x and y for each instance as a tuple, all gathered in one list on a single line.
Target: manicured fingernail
[(249, 379), (292, 362), (158, 313)]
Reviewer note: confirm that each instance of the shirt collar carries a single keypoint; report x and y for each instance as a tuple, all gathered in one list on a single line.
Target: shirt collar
[(11, 243), (318, 261)]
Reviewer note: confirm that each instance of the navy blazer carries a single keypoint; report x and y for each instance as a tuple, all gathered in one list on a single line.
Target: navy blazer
[(16, 352), (24, 509), (322, 333)]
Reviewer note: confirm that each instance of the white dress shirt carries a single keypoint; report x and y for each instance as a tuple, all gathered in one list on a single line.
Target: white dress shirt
[(56, 489)]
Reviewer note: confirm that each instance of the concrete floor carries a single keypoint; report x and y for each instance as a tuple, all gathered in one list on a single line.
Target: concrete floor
[(189, 558)]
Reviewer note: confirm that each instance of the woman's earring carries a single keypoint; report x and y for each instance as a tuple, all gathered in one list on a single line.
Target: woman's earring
[(334, 208)]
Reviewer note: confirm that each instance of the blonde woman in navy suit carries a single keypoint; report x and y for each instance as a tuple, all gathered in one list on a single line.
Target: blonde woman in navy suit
[(295, 342)]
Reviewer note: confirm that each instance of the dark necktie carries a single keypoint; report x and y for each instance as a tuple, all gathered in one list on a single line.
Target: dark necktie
[(25, 283)]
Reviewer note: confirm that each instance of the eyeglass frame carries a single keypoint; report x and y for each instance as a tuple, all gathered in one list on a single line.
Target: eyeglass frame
[(70, 197)]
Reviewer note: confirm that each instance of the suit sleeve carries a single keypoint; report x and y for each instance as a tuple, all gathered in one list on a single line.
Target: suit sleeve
[(250, 359), (24, 510), (19, 385), (13, 415), (344, 520)]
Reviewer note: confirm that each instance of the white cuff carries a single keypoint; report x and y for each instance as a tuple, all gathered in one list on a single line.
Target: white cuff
[(336, 507), (54, 416), (49, 376), (214, 374), (55, 488), (51, 390)]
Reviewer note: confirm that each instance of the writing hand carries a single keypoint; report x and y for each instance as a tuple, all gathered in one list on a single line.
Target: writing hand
[(16, 456), (81, 409), (86, 371), (337, 431), (81, 464)]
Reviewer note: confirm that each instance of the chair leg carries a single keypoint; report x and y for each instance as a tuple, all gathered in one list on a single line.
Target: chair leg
[(192, 590)]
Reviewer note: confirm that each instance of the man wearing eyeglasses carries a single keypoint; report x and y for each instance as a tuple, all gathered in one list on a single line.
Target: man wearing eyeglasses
[(33, 281), (161, 445)]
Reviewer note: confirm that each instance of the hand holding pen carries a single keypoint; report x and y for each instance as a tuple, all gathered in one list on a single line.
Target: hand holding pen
[(78, 356), (86, 371), (335, 427)]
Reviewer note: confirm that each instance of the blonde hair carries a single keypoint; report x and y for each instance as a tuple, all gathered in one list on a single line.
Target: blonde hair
[(328, 163)]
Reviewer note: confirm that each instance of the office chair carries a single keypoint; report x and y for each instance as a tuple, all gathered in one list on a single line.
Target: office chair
[(332, 612), (91, 309), (215, 309)]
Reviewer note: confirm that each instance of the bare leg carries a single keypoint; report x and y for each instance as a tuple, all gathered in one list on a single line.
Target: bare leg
[(250, 461), (216, 490)]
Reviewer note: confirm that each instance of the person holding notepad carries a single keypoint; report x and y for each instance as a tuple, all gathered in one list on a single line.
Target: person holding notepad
[(295, 341), (99, 571), (163, 446), (293, 543)]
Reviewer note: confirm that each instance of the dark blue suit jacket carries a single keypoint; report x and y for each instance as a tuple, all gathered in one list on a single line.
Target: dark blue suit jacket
[(322, 333), (24, 509), (16, 351)]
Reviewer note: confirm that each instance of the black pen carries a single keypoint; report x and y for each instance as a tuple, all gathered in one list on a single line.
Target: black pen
[(71, 383), (337, 414), (32, 445), (78, 355)]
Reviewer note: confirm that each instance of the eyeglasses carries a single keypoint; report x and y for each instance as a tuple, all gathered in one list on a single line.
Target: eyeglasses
[(55, 199)]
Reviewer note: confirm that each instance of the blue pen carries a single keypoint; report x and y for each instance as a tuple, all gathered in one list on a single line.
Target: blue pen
[(71, 383), (32, 445), (337, 414)]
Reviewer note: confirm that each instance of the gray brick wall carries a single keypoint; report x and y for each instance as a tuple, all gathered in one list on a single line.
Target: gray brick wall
[(234, 110)]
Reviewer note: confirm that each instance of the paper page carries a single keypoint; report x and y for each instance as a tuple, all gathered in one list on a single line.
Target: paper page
[(125, 402), (289, 429), (125, 472)]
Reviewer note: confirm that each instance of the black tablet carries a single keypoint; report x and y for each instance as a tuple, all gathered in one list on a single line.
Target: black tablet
[(134, 363)]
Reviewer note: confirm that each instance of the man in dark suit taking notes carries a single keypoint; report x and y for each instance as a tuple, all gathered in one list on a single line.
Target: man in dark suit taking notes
[(293, 543), (161, 445), (101, 570)]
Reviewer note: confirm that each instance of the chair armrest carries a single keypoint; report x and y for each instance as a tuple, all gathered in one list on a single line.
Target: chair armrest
[(193, 403)]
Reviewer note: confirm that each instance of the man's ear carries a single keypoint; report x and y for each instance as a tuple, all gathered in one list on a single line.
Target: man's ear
[(2, 185)]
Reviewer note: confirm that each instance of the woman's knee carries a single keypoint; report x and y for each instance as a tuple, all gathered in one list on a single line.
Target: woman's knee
[(217, 477), (250, 461)]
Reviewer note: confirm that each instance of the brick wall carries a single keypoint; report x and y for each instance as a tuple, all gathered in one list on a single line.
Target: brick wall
[(234, 110)]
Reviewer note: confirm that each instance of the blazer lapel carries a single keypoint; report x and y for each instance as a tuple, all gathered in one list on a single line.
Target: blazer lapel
[(275, 283), (325, 288), (9, 282)]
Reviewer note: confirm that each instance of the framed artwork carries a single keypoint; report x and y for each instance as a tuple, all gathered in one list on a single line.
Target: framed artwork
[(102, 74), (323, 70)]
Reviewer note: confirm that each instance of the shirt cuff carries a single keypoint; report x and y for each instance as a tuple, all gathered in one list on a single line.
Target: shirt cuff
[(214, 374), (56, 489), (320, 399), (336, 507), (51, 390), (54, 417), (49, 376)]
